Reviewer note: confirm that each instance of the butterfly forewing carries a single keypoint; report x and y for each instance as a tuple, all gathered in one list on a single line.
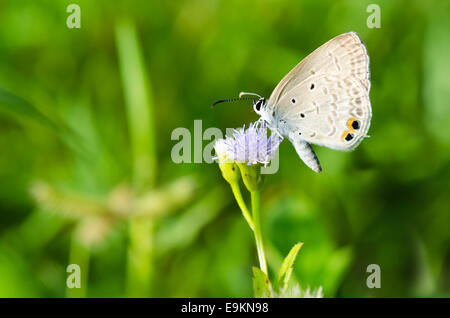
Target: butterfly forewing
[(345, 55)]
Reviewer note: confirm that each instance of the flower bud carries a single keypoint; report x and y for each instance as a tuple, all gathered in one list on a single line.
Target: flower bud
[(252, 177)]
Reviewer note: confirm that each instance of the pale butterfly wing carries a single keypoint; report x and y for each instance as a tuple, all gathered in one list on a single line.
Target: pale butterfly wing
[(345, 55), (329, 110), (324, 100)]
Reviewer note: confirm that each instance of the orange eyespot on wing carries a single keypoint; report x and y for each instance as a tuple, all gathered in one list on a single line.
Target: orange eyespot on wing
[(353, 124), (347, 136)]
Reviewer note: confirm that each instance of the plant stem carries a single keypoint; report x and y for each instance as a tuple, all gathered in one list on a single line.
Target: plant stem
[(139, 104), (258, 237), (79, 255), (240, 201), (140, 115), (140, 267)]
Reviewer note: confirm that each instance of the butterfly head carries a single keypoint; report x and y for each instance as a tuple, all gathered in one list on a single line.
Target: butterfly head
[(259, 105)]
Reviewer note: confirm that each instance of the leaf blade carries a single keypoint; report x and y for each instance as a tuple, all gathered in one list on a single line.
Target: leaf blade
[(288, 263), (261, 284)]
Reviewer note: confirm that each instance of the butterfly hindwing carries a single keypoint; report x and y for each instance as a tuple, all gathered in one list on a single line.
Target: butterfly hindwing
[(327, 110)]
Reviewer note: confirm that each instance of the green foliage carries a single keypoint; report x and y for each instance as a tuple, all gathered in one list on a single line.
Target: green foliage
[(261, 284), (287, 267), (20, 108)]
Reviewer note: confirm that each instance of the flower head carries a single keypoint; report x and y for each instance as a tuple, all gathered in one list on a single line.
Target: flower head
[(221, 149), (250, 146)]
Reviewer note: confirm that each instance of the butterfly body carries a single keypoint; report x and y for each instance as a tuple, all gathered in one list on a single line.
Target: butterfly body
[(324, 100)]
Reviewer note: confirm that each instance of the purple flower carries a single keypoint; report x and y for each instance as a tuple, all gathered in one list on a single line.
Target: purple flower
[(249, 145)]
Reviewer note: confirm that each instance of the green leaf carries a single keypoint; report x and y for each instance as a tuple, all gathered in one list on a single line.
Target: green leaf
[(261, 284), (24, 112), (286, 268), (139, 103), (21, 109)]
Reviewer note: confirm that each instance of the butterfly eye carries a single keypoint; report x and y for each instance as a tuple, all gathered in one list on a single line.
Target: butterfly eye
[(354, 124), (348, 136), (258, 106)]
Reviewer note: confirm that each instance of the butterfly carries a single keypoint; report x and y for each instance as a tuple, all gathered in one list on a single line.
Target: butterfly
[(324, 100)]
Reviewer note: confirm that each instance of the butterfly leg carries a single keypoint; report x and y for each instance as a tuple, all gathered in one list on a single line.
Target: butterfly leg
[(306, 153)]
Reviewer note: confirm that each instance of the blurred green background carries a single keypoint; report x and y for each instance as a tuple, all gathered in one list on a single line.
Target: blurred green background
[(86, 176)]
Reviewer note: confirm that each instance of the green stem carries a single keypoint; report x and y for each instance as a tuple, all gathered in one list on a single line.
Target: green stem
[(258, 237), (140, 267), (140, 115), (240, 201), (79, 255)]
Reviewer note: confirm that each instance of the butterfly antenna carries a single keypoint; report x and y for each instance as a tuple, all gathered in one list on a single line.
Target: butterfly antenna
[(246, 93), (232, 100)]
